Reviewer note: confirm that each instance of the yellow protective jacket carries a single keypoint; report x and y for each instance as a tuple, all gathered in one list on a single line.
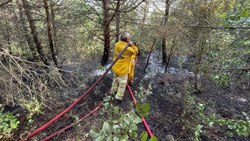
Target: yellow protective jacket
[(124, 65)]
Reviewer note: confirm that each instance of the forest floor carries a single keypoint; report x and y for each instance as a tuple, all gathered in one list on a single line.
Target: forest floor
[(165, 92)]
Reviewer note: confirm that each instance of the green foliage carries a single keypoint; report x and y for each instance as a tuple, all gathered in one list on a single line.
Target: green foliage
[(226, 57), (33, 106), (121, 126), (144, 136), (15, 49), (222, 79), (190, 116), (8, 123), (143, 93), (238, 126), (197, 132), (102, 68), (120, 129), (200, 119), (153, 138), (143, 109), (240, 15)]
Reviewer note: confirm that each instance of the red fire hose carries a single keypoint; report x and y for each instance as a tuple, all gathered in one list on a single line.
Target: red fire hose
[(73, 124), (93, 111), (142, 118), (78, 100)]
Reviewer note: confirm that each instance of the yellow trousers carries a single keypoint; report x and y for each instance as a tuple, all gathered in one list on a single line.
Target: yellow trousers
[(131, 73), (119, 85)]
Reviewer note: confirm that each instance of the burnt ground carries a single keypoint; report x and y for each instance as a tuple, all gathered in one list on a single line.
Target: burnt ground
[(167, 103), (165, 92)]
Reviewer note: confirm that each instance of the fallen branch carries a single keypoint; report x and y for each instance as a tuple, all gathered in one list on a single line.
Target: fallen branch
[(216, 27), (34, 63), (240, 69)]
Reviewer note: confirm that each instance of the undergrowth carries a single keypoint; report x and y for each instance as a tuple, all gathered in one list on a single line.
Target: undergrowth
[(196, 120), (8, 123), (121, 126)]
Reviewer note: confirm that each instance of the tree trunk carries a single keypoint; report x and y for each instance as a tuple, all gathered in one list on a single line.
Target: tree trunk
[(49, 29), (27, 36), (117, 23), (163, 45), (34, 33), (145, 12), (163, 48), (7, 35), (170, 53), (197, 65), (52, 11), (106, 32), (149, 54)]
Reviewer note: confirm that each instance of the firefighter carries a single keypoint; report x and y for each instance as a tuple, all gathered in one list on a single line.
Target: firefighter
[(123, 69)]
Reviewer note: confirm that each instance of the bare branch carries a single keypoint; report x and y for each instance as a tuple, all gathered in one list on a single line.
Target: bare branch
[(92, 33), (194, 26), (132, 8), (34, 63), (116, 10), (158, 8), (232, 69), (216, 27), (2, 4)]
